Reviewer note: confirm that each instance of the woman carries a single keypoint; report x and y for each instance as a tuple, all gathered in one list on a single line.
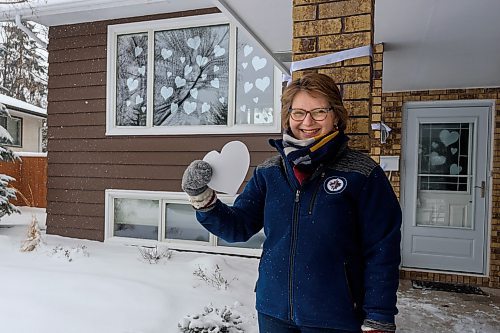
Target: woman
[(331, 219)]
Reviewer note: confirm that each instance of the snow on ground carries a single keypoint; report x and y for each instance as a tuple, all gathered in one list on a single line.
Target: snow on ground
[(72, 285)]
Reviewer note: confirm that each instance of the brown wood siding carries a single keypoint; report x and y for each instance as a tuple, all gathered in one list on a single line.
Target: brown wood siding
[(82, 161), (31, 178)]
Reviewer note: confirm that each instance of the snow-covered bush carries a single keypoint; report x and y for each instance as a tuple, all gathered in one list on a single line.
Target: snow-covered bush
[(214, 279), (69, 253), (212, 320), (153, 255)]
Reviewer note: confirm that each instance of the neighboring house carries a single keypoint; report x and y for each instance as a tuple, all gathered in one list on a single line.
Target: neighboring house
[(24, 124), (134, 99)]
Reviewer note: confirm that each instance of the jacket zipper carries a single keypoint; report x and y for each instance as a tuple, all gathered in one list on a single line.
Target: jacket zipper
[(313, 199), (293, 247), (349, 290)]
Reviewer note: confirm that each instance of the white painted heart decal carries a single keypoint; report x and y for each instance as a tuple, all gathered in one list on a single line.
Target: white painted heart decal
[(174, 107), (201, 61), (216, 68), (187, 69), (247, 50), (203, 77), (454, 150), (215, 83), (229, 168), (437, 159), (244, 64), (166, 92), (258, 63), (243, 108), (221, 99), (166, 53), (132, 84), (455, 169), (138, 100), (194, 93), (138, 50), (256, 99), (218, 51), (448, 138), (169, 74), (182, 59), (247, 87), (205, 107), (263, 83), (128, 103), (194, 42), (434, 144), (141, 70), (179, 82), (189, 107)]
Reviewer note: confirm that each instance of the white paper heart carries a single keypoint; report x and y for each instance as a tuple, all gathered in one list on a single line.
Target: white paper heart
[(141, 70), (205, 107), (179, 82), (169, 74), (222, 99), (182, 59), (256, 99), (138, 100), (166, 92), (189, 107), (244, 64), (448, 138), (201, 61), (455, 169), (203, 77), (247, 50), (263, 83), (218, 51), (247, 87), (243, 108), (434, 144), (454, 150), (229, 168), (216, 68), (132, 84), (194, 93), (258, 63), (187, 69), (174, 107), (166, 53), (138, 50), (437, 159), (215, 83), (194, 42), (143, 109)]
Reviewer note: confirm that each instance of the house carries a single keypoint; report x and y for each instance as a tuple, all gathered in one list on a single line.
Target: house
[(24, 125), (125, 118)]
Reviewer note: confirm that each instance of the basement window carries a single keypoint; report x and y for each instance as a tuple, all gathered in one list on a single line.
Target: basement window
[(146, 218), (199, 75)]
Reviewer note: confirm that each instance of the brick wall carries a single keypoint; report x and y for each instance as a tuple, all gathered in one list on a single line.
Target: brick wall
[(322, 27)]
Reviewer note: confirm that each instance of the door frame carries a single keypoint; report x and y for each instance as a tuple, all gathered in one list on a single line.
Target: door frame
[(489, 171)]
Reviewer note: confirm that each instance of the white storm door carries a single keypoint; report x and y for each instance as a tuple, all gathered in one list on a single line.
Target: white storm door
[(446, 186)]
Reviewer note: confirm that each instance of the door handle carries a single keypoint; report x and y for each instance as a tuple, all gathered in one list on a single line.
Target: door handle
[(483, 188)]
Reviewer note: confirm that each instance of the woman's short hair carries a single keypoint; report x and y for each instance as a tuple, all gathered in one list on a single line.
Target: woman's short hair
[(315, 84)]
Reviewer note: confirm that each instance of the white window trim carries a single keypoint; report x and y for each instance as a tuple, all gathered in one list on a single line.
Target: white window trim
[(178, 23), (174, 244)]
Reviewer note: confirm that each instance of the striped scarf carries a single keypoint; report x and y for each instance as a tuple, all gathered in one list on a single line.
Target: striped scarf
[(308, 154)]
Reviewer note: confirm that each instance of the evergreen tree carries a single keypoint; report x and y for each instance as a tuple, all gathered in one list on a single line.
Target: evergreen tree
[(23, 65), (6, 155)]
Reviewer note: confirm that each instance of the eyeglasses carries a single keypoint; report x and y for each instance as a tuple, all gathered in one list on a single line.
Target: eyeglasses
[(316, 114)]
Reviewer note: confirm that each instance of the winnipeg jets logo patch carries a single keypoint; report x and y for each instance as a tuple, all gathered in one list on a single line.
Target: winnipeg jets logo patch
[(334, 185)]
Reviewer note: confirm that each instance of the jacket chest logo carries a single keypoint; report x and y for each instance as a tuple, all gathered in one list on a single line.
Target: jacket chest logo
[(335, 185)]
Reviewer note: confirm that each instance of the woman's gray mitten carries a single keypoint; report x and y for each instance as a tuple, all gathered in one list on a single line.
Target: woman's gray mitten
[(196, 177)]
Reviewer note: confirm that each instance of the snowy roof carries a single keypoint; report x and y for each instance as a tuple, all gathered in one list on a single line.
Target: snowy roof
[(17, 105)]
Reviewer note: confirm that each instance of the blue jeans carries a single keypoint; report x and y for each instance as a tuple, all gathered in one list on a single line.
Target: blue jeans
[(269, 324)]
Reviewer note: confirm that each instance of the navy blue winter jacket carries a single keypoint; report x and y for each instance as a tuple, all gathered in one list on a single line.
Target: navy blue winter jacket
[(332, 249)]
